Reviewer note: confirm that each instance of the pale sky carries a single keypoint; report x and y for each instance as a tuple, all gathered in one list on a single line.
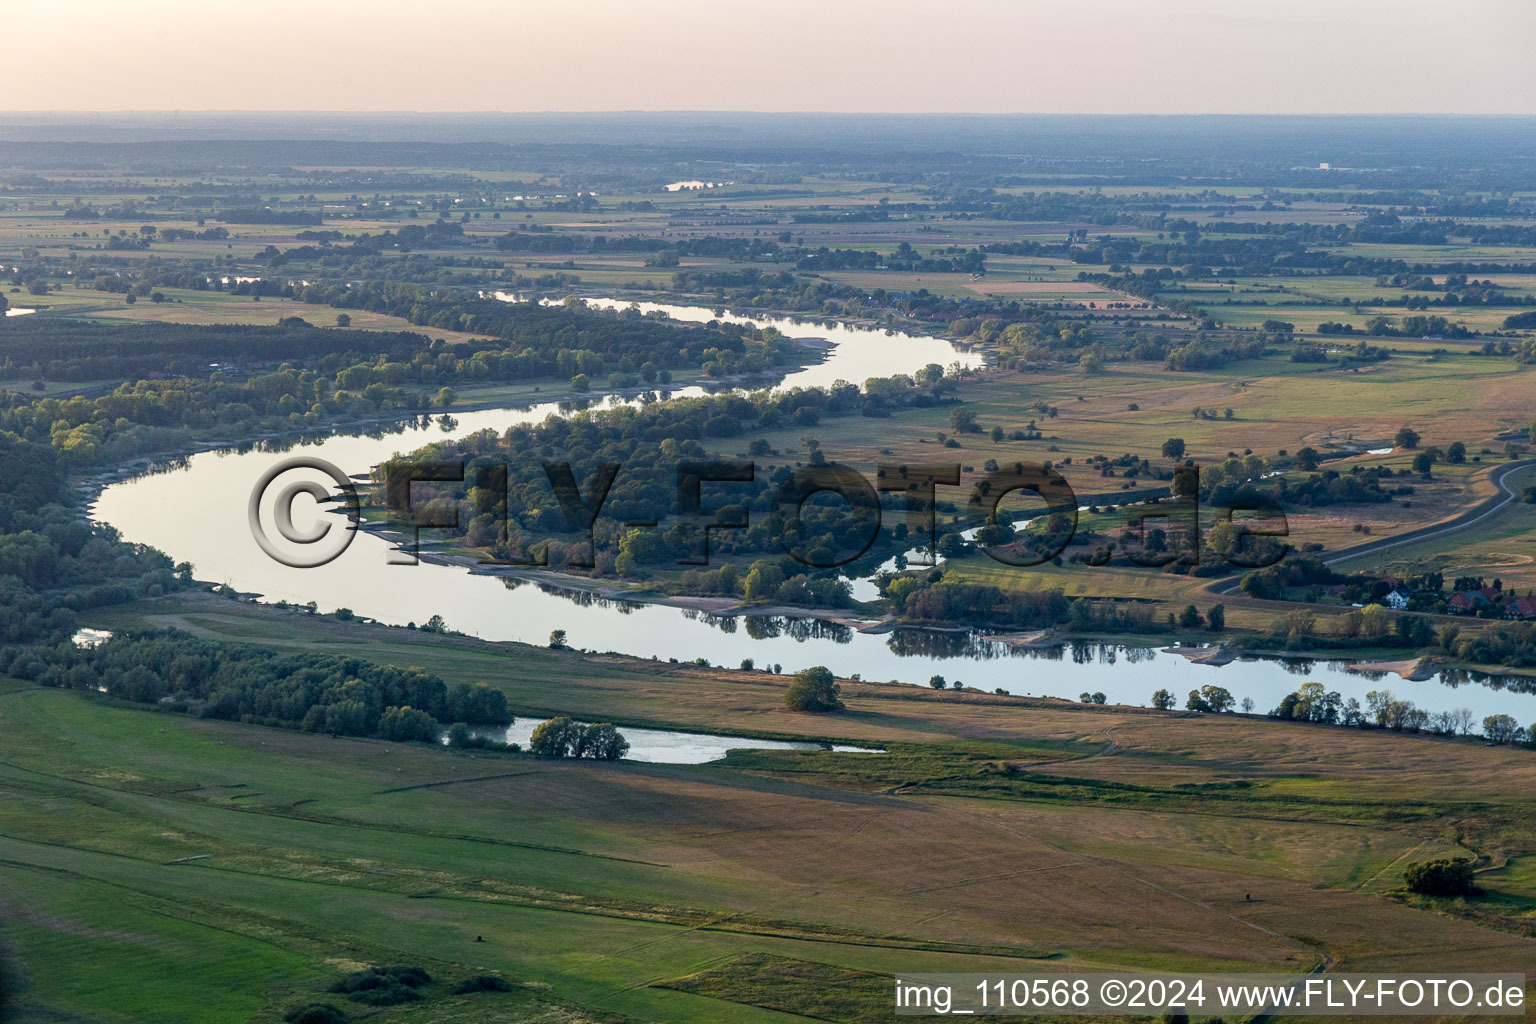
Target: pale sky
[(984, 56)]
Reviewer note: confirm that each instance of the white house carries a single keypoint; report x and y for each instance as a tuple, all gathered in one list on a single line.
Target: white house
[(1397, 600)]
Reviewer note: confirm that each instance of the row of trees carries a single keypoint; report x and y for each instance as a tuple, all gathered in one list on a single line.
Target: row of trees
[(1383, 710), (565, 737), (312, 692)]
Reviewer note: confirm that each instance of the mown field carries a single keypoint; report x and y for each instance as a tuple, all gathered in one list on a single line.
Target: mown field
[(250, 867)]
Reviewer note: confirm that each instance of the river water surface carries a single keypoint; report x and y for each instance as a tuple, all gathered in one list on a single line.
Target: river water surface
[(196, 511)]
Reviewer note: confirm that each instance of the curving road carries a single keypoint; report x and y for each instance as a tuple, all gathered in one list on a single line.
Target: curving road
[(1464, 520), (1467, 519)]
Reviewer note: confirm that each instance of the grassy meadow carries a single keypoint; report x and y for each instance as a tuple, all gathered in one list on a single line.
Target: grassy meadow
[(995, 833)]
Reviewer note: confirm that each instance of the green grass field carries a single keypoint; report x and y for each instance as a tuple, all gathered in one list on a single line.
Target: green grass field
[(135, 840)]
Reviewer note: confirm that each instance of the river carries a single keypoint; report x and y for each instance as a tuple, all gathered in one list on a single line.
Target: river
[(195, 511)]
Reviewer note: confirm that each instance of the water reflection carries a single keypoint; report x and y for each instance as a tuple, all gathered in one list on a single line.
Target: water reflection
[(194, 509)]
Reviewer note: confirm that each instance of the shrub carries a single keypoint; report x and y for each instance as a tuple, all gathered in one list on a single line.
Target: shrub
[(372, 978), (391, 993), (1445, 877), (412, 976), (482, 983)]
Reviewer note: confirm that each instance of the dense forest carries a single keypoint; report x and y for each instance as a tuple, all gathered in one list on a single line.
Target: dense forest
[(235, 381), (508, 502)]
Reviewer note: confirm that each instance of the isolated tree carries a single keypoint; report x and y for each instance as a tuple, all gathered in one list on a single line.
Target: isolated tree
[(1423, 464), (557, 638), (1189, 618), (1456, 454), (813, 689), (1163, 700), (963, 421), (937, 682), (1306, 459), (1216, 618), (1173, 448), (1407, 437), (343, 320)]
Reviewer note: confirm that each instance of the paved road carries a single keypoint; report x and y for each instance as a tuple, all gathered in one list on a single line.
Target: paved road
[(1498, 476), (1471, 518)]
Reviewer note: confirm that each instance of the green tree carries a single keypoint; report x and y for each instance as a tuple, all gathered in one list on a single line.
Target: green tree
[(1406, 438), (1216, 618), (555, 738), (1502, 729), (937, 682), (602, 742), (963, 421), (952, 545), (406, 724), (764, 578), (1163, 700), (1189, 618), (557, 638), (1173, 448), (1218, 698), (813, 689), (1445, 877)]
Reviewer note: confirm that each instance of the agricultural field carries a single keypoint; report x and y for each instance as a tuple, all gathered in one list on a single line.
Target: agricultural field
[(704, 893), (234, 792)]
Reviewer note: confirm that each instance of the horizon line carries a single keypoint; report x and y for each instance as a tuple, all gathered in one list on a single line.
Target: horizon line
[(180, 112)]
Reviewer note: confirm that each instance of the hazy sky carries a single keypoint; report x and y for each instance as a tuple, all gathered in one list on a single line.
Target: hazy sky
[(1026, 56)]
